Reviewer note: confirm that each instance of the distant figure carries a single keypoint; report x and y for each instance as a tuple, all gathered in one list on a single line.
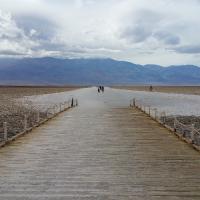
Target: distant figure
[(151, 88), (102, 89)]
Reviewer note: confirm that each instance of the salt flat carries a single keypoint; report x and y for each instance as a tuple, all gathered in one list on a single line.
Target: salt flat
[(173, 104)]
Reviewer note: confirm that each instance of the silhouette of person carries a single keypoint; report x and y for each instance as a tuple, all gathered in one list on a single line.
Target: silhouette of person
[(151, 88), (103, 89)]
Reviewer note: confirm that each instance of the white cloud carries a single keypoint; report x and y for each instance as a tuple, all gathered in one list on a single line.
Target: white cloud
[(13, 41), (33, 32), (153, 31)]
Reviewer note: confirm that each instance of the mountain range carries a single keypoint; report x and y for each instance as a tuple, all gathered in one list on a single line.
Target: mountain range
[(54, 71)]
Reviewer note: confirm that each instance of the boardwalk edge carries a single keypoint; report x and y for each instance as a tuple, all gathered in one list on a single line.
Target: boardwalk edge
[(29, 130), (170, 129)]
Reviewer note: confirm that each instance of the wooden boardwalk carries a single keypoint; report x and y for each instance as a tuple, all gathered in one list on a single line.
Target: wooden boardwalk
[(101, 153)]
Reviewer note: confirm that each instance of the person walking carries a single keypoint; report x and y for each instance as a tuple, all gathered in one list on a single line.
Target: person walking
[(151, 88)]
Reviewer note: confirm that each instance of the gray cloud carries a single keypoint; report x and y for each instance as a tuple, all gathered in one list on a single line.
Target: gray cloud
[(167, 37), (136, 34), (125, 29), (148, 24), (13, 40), (142, 26), (190, 49), (14, 37), (8, 28), (11, 53), (44, 28)]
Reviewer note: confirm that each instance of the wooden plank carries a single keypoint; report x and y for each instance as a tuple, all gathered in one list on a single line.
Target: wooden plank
[(104, 153)]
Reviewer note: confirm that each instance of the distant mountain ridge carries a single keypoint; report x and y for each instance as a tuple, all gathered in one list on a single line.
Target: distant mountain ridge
[(53, 71)]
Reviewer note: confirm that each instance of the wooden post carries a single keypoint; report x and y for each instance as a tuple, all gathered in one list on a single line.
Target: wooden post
[(5, 131), (47, 113), (156, 113), (76, 102), (149, 111), (25, 122), (174, 124), (192, 132), (38, 116), (164, 118), (72, 102), (54, 109), (134, 102)]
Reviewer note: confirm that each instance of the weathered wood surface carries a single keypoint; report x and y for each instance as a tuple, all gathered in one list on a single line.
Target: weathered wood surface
[(100, 152)]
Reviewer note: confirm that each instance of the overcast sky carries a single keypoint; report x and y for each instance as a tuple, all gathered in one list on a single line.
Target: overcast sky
[(162, 32)]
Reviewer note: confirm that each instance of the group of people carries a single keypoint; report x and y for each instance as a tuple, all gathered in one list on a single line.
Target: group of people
[(101, 89)]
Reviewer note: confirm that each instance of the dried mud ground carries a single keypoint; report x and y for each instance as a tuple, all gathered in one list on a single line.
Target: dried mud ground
[(21, 91), (13, 111), (195, 90)]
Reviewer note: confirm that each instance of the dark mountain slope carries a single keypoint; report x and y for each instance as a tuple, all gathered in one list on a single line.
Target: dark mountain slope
[(52, 71)]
